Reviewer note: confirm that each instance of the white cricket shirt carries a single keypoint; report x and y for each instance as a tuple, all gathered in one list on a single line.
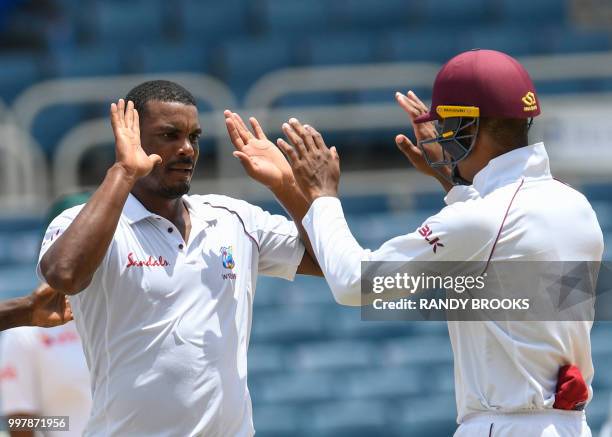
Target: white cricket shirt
[(514, 210), (166, 323), (43, 372)]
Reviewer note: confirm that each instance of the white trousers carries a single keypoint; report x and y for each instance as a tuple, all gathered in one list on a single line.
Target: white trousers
[(544, 423)]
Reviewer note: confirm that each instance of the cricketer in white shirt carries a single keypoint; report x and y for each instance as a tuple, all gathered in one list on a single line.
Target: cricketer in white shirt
[(166, 324), (43, 373), (514, 210)]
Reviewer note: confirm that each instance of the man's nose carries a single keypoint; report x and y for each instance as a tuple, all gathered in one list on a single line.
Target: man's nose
[(187, 148)]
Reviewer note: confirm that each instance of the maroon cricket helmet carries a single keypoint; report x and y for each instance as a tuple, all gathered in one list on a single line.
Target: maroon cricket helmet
[(482, 83)]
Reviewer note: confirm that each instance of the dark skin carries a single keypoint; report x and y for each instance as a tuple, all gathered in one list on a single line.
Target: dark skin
[(317, 167), (45, 307), (156, 166)]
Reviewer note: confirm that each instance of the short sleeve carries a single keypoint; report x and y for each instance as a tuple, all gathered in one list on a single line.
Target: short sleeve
[(280, 247), (277, 238), (18, 372), (54, 231)]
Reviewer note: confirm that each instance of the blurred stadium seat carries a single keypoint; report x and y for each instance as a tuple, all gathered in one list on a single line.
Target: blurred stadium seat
[(294, 16), (17, 71), (165, 58), (203, 21), (115, 21)]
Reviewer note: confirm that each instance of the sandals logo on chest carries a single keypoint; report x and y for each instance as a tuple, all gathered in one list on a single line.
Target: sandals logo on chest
[(160, 261)]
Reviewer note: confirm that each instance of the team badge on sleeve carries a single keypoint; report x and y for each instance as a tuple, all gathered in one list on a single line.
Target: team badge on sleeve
[(227, 258)]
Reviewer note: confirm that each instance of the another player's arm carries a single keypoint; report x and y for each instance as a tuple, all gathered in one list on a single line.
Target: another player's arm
[(267, 165), (317, 171), (45, 307), (70, 263)]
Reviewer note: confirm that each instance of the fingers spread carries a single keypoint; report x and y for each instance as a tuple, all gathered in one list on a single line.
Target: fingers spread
[(295, 139), (259, 133), (244, 131), (410, 150), (412, 96), (246, 161), (334, 153), (233, 133), (408, 105), (303, 133), (288, 151), (129, 115), (136, 127), (114, 115), (121, 112), (316, 137)]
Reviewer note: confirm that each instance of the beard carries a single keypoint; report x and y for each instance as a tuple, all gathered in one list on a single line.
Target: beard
[(175, 191)]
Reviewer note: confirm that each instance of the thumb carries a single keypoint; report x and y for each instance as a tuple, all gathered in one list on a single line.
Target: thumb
[(407, 147), (246, 162), (334, 152), (156, 159), (404, 143)]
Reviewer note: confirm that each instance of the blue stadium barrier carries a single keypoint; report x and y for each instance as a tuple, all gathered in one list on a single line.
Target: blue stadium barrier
[(95, 61), (531, 12), (115, 21), (210, 21), (355, 418), (332, 355), (396, 384), (294, 16), (295, 387), (455, 13), (502, 38), (337, 49), (289, 325), (17, 72), (570, 40), (52, 123), (261, 55), (421, 45), (265, 359), (370, 14), (166, 58), (276, 420)]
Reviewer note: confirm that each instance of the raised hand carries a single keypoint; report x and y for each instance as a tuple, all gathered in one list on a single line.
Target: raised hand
[(259, 156), (49, 307), (414, 107), (315, 166), (128, 150)]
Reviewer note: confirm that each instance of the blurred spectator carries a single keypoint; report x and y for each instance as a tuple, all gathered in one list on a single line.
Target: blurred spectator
[(43, 373), (43, 370)]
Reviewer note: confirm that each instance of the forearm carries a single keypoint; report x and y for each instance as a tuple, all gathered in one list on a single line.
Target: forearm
[(293, 201), (72, 260), (336, 250), (16, 312)]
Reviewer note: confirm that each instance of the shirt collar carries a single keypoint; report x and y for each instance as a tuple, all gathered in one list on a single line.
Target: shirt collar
[(135, 211), (529, 162)]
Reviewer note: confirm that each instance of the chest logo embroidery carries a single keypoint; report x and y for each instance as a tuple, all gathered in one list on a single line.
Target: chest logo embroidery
[(227, 257), (426, 232), (160, 261)]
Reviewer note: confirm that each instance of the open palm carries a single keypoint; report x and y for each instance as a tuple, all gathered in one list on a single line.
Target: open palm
[(129, 152), (262, 160)]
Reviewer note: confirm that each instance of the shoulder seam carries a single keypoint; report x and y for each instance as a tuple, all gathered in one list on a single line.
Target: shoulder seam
[(502, 224), (231, 211)]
